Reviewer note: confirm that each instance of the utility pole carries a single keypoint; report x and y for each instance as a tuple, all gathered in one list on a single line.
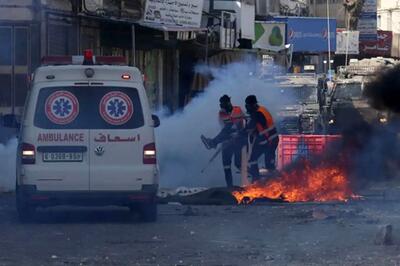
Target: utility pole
[(210, 22), (329, 38)]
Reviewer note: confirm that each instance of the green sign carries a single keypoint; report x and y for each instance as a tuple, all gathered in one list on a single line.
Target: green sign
[(269, 36)]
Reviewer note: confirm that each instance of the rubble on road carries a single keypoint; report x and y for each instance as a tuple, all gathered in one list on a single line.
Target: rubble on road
[(203, 196), (180, 191), (384, 235)]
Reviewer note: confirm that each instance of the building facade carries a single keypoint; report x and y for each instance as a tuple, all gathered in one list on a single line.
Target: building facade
[(32, 29), (319, 8), (19, 46), (389, 15), (389, 20)]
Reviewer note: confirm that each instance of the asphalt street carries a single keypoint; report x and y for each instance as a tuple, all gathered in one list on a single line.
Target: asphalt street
[(267, 234)]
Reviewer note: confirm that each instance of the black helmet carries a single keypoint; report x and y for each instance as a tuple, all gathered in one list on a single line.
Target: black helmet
[(251, 99), (224, 99)]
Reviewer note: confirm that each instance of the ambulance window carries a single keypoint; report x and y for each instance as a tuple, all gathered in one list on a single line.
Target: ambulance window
[(88, 108)]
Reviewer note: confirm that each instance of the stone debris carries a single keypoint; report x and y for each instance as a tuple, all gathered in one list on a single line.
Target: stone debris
[(384, 235)]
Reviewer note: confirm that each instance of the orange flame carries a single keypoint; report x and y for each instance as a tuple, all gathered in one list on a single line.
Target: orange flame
[(305, 183)]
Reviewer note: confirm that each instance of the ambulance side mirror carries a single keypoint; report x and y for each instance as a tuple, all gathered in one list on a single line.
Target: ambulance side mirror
[(156, 120)]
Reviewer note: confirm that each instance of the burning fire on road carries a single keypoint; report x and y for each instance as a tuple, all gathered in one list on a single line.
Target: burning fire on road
[(306, 182)]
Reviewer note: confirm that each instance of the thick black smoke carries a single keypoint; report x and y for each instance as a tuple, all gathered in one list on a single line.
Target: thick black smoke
[(383, 91), (369, 150)]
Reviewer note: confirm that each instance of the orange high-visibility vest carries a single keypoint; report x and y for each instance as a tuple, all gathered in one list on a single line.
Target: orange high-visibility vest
[(236, 117), (269, 130)]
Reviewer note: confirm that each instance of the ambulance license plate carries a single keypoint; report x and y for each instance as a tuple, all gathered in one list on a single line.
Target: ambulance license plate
[(62, 157)]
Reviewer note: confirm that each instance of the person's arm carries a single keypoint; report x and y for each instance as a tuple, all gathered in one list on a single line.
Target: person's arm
[(261, 119), (256, 118)]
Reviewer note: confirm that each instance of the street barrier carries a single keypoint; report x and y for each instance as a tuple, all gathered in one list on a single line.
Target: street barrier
[(294, 147)]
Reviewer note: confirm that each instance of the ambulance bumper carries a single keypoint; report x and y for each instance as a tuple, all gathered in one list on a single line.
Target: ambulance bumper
[(31, 195)]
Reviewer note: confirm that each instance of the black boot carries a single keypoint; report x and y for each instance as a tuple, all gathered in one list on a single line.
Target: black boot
[(228, 178), (254, 172)]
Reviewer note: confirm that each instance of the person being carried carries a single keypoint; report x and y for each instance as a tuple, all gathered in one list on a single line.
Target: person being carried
[(231, 119), (264, 136)]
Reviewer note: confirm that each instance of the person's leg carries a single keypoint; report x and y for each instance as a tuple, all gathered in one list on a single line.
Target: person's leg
[(238, 155), (256, 152), (270, 155), (227, 153)]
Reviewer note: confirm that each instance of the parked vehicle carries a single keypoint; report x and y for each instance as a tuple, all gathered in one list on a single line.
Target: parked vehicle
[(300, 112), (87, 138), (346, 105)]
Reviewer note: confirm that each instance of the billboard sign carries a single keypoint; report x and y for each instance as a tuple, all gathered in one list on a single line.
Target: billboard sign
[(347, 42), (182, 13), (382, 46), (367, 23), (309, 35), (269, 36)]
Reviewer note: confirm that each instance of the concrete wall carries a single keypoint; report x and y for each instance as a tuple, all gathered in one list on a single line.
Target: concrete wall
[(336, 10), (62, 5), (384, 4), (389, 20), (16, 10), (389, 15)]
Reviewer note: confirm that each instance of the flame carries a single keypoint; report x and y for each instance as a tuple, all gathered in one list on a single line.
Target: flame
[(304, 183)]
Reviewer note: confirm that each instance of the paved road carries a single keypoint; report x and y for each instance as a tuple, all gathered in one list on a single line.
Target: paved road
[(285, 234)]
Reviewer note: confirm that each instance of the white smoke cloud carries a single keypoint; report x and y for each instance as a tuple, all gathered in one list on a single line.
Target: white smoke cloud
[(8, 155), (181, 152)]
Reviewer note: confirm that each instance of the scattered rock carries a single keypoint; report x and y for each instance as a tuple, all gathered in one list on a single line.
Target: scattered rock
[(384, 235), (54, 257)]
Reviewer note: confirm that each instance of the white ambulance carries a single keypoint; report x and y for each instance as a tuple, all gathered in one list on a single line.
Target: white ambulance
[(87, 138)]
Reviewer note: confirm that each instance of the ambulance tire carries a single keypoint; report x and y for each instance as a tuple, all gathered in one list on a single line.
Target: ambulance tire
[(148, 212), (26, 211)]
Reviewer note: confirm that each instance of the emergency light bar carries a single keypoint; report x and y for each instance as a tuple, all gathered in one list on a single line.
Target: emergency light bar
[(82, 60)]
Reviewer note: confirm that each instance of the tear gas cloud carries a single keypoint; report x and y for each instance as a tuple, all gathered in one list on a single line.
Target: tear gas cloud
[(181, 153)]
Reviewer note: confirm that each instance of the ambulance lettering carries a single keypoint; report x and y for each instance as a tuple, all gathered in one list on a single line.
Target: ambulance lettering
[(61, 137)]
